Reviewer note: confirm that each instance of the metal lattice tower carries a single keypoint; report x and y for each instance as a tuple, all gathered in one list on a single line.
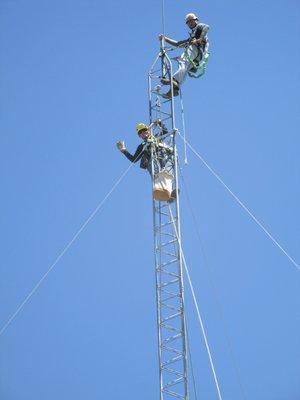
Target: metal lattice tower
[(171, 324)]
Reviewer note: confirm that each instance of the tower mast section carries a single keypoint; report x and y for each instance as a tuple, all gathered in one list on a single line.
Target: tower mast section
[(171, 323)]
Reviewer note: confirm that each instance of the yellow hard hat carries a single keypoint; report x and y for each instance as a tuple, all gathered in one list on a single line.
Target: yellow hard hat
[(141, 126)]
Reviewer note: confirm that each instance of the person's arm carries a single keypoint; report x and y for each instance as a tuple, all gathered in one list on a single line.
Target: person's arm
[(204, 30), (201, 32), (136, 156), (166, 147), (173, 42)]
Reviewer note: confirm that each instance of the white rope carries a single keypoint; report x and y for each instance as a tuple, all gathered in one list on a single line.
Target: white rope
[(242, 204), (183, 128), (197, 309), (216, 294), (62, 253), (190, 359)]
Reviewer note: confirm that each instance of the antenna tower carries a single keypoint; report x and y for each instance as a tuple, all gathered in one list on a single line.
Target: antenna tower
[(171, 323)]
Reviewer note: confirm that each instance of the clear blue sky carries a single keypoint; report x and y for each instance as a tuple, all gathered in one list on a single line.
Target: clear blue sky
[(72, 83)]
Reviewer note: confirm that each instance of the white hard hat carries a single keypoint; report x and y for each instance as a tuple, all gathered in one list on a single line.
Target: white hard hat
[(190, 16)]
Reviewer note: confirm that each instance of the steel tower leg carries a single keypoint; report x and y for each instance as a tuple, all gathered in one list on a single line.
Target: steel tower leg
[(171, 326)]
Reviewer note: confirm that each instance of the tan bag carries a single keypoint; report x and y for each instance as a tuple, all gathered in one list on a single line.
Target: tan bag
[(162, 186)]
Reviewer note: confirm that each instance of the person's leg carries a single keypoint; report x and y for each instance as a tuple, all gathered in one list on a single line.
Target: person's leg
[(185, 63), (153, 166), (169, 164), (169, 168), (181, 73)]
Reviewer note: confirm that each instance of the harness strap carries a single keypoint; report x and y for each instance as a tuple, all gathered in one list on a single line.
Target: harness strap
[(199, 67)]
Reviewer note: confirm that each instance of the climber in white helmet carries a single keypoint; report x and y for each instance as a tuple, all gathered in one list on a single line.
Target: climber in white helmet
[(196, 46)]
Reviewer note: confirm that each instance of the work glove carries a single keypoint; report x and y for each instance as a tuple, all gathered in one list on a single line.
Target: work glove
[(121, 145)]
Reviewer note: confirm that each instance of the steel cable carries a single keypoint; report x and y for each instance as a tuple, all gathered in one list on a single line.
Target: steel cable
[(214, 289), (63, 252), (198, 310), (190, 359), (241, 203)]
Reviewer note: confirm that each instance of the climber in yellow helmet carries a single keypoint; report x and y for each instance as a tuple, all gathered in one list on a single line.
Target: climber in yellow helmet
[(144, 150), (153, 153)]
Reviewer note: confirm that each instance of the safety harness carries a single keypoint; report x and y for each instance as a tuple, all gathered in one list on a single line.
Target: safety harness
[(198, 68), (159, 151)]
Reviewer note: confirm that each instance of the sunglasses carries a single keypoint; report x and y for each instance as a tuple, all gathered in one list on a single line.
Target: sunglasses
[(143, 132)]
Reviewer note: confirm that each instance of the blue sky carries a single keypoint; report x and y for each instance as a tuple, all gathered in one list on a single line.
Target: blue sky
[(73, 81)]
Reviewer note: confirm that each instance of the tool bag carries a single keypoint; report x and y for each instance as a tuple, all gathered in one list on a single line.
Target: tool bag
[(162, 186)]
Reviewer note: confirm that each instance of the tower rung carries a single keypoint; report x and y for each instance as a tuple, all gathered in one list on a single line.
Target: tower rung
[(166, 244), (168, 283), (156, 108), (162, 304), (165, 205), (163, 225), (173, 371), (172, 360), (172, 338), (167, 234), (171, 350), (166, 253), (174, 382), (164, 213), (163, 271), (171, 317), (171, 328), (169, 116), (170, 298), (168, 263), (171, 294), (178, 396)]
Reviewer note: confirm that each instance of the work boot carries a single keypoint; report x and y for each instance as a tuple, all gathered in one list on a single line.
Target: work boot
[(166, 81), (168, 95), (173, 196)]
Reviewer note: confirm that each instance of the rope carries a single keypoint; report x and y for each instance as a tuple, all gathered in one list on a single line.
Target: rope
[(214, 289), (63, 252), (183, 128), (190, 359), (197, 309), (241, 204)]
